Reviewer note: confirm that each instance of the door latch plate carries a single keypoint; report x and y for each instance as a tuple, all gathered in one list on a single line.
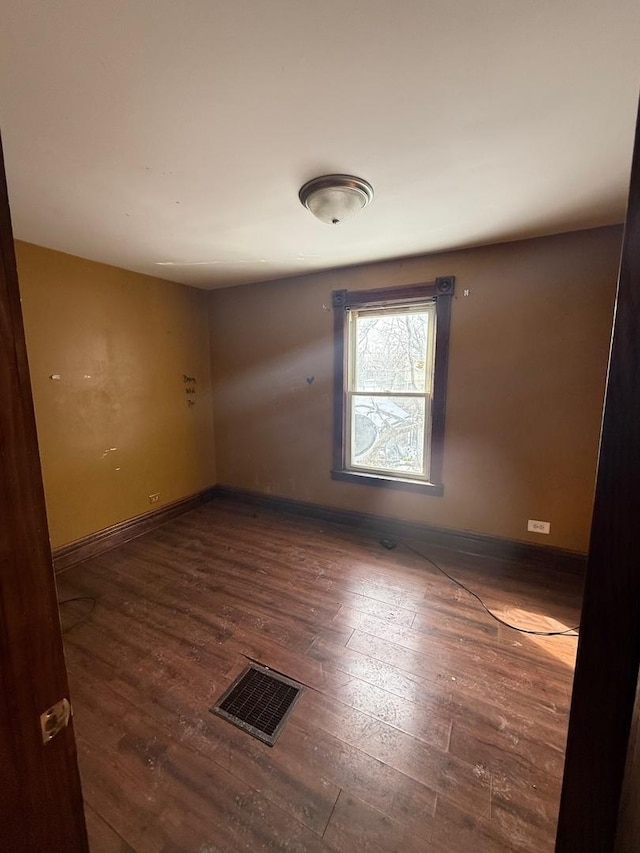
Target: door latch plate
[(54, 719)]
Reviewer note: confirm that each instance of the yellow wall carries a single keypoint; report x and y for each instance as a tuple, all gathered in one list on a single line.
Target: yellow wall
[(526, 379), (116, 427)]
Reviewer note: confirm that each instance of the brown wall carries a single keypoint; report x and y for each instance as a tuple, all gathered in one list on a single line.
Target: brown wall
[(527, 368), (116, 427)]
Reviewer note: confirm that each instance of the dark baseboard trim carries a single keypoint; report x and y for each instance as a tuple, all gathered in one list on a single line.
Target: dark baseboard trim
[(467, 542), (123, 531), (545, 556)]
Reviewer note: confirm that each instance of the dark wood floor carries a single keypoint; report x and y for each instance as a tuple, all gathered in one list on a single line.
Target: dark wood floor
[(427, 726)]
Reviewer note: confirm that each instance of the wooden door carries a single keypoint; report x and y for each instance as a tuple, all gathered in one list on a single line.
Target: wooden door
[(40, 797), (606, 675)]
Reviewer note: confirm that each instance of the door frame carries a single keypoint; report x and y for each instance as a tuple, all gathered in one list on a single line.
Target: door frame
[(40, 795), (606, 675)]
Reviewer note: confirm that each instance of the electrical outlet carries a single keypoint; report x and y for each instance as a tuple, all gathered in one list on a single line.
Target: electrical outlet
[(538, 526), (153, 499)]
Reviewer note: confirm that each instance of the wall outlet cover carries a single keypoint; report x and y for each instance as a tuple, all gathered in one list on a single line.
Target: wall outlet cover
[(538, 526)]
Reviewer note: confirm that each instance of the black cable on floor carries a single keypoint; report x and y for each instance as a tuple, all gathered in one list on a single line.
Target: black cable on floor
[(85, 616), (569, 632)]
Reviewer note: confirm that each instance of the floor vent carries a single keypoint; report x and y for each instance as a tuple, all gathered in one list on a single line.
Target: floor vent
[(259, 702)]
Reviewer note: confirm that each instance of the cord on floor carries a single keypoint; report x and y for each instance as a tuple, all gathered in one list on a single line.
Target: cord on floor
[(85, 616), (569, 632)]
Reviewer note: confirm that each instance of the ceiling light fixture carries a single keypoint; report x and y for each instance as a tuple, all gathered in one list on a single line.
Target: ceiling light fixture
[(334, 198)]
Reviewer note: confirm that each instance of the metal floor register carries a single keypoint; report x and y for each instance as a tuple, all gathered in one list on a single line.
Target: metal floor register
[(259, 702)]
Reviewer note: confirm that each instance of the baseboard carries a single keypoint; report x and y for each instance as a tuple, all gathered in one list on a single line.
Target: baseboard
[(123, 531), (467, 542)]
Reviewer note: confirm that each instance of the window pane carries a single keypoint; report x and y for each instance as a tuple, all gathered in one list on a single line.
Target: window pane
[(391, 351), (387, 434)]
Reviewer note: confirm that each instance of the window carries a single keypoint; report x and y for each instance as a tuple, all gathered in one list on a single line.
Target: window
[(390, 384)]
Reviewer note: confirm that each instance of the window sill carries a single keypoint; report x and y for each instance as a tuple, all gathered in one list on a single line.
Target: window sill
[(388, 482)]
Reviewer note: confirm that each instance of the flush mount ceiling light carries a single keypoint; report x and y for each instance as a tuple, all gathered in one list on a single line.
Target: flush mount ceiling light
[(334, 198)]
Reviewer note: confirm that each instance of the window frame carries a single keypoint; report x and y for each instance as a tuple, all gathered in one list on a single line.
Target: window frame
[(441, 292)]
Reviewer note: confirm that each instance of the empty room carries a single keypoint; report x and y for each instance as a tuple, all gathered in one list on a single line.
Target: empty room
[(317, 495)]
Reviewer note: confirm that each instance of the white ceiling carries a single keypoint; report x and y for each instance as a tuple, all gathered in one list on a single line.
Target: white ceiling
[(172, 137)]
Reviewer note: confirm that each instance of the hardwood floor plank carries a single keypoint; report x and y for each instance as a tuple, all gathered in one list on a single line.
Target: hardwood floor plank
[(357, 606), (501, 681), (435, 768), (532, 648), (484, 735), (430, 721), (389, 791), (455, 831), (400, 682), (424, 725), (295, 663), (356, 826), (455, 622), (102, 838), (517, 801)]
